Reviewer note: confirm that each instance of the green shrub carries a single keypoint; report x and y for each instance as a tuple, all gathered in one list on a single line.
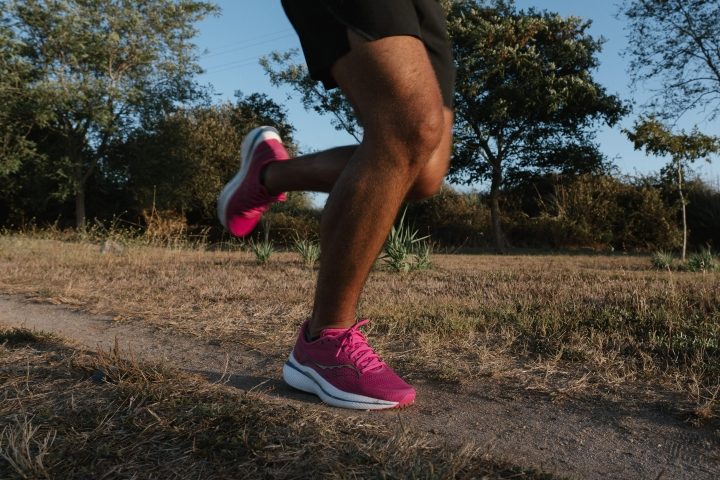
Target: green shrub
[(596, 211), (292, 218), (402, 244), (422, 251), (662, 260), (452, 218), (309, 250), (262, 249), (703, 215), (703, 261)]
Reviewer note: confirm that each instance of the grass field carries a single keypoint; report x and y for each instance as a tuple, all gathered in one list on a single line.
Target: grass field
[(65, 413), (568, 324)]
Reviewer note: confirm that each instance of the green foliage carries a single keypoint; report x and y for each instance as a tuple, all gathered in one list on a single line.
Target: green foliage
[(655, 138), (17, 148), (676, 43), (703, 261), (262, 249), (452, 218), (525, 97), (284, 69), (15, 121), (185, 159), (292, 218), (97, 69), (309, 250), (703, 215), (525, 92), (423, 250), (662, 260), (597, 211), (402, 245)]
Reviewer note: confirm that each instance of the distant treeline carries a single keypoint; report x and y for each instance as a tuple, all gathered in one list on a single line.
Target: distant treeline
[(553, 212), (176, 169)]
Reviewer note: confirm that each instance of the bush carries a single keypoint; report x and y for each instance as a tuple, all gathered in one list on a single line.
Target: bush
[(703, 213), (308, 250), (703, 261), (600, 212), (662, 260), (452, 218), (292, 219), (403, 244), (262, 249)]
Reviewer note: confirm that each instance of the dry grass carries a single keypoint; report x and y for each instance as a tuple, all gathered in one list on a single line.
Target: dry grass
[(567, 324), (66, 413)]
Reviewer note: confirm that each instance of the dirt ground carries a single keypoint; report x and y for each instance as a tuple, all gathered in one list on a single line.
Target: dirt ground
[(576, 438)]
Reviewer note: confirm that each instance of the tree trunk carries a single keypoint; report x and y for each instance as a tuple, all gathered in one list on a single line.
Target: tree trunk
[(684, 214), (80, 207), (495, 184)]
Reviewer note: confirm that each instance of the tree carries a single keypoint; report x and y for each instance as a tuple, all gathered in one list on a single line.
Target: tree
[(15, 124), (182, 163), (99, 69), (282, 68), (677, 43), (656, 139), (525, 98)]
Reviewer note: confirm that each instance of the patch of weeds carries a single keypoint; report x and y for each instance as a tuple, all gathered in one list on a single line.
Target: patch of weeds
[(24, 447), (116, 231), (309, 250), (262, 249), (662, 260), (403, 244), (423, 250), (703, 261)]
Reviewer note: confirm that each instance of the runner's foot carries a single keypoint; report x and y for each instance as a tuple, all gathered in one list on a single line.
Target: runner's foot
[(244, 199), (344, 371)]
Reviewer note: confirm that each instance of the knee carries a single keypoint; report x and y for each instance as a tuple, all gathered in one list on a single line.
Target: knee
[(426, 187), (422, 134), (430, 179), (412, 136)]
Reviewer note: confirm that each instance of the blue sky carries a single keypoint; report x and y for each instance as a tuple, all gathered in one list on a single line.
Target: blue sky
[(248, 29)]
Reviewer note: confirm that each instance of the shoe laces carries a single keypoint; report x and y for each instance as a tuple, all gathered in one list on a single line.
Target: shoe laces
[(356, 345)]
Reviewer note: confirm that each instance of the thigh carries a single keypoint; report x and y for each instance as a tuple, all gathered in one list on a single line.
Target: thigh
[(391, 83), (423, 19), (322, 26)]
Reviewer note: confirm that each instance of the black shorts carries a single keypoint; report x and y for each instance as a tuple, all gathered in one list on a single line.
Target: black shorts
[(322, 27)]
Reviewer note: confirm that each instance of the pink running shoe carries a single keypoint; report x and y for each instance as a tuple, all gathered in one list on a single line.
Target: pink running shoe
[(243, 201), (344, 371)]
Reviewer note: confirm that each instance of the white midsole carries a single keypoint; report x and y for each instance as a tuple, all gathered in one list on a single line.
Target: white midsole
[(308, 380), (250, 141)]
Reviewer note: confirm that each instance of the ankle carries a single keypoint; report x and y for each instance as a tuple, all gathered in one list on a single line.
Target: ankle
[(263, 178), (315, 329)]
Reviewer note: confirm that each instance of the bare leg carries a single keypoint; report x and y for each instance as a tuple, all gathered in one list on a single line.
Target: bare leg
[(314, 172), (395, 92), (318, 171)]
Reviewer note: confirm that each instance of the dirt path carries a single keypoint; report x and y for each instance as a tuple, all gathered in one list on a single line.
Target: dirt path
[(578, 439)]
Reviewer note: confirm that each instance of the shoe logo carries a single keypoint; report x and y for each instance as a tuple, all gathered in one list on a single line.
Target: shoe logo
[(333, 367)]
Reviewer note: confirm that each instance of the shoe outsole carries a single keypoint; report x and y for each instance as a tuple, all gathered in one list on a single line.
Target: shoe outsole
[(307, 380), (247, 147)]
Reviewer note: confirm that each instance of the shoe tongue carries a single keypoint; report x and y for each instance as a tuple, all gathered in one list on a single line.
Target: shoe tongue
[(333, 332)]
